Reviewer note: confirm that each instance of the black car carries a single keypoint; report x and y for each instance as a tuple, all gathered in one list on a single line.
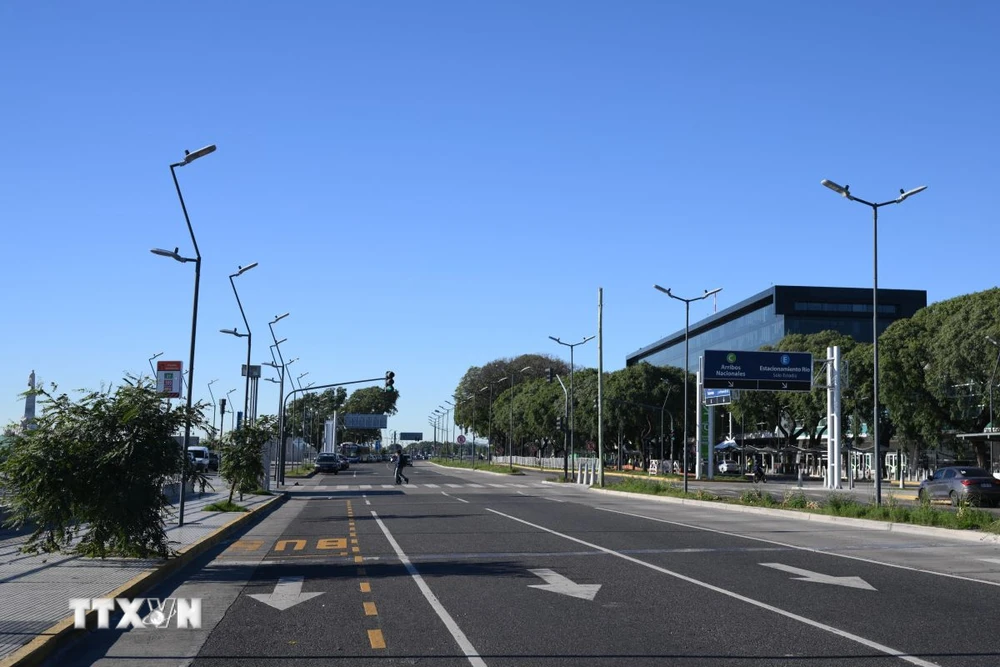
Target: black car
[(328, 463)]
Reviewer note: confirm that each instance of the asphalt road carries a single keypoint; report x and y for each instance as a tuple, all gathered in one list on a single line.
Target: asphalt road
[(462, 568)]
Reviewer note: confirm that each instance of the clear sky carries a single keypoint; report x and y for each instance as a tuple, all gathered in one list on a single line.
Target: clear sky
[(429, 186)]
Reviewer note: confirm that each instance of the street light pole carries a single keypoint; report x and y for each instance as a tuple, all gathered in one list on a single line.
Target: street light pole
[(189, 157), (151, 367), (845, 191), (572, 423), (212, 394), (687, 364), (670, 388), (240, 270)]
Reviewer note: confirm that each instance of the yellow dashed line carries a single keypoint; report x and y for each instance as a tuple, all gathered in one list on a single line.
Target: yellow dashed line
[(375, 639), (366, 587), (354, 540), (356, 550), (359, 559), (370, 609)]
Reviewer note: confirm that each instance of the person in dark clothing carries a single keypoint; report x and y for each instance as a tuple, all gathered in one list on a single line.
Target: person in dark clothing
[(402, 460)]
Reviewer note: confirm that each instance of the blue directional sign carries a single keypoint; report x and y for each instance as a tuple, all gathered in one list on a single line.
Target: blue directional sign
[(763, 371), (718, 396)]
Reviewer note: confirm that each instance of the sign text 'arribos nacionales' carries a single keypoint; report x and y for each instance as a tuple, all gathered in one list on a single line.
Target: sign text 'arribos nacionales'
[(763, 371)]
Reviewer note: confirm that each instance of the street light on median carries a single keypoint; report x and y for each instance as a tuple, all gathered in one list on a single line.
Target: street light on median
[(687, 364), (572, 423), (845, 191)]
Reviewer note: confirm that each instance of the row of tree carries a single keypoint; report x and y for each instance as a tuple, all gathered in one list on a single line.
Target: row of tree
[(936, 373)]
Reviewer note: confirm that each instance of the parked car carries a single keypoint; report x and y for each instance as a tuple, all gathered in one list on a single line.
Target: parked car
[(328, 463), (961, 483), (730, 467)]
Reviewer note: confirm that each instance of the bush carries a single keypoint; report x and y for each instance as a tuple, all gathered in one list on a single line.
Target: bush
[(97, 466), (225, 506), (242, 463)]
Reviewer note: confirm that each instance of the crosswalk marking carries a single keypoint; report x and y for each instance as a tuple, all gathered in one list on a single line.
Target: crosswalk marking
[(469, 485)]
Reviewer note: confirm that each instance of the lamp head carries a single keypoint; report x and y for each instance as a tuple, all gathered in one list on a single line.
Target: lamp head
[(278, 318), (714, 291), (903, 195), (243, 269), (172, 254), (190, 157), (665, 290), (843, 190)]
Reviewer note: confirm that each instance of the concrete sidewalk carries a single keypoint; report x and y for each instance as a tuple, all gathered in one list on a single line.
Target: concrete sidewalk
[(35, 589)]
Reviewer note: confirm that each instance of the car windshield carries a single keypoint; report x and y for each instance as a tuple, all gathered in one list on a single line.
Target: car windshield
[(973, 472), (327, 457)]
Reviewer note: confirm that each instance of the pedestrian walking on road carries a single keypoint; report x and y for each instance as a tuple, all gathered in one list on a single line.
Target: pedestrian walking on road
[(402, 460)]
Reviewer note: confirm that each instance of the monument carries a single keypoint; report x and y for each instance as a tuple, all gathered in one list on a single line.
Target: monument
[(28, 422)]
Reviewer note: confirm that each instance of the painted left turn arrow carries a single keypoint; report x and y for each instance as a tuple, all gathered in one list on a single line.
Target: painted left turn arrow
[(557, 583), (819, 578), (287, 593)]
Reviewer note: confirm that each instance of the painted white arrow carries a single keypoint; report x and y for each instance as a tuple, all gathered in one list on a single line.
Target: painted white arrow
[(819, 578), (287, 593), (557, 583)]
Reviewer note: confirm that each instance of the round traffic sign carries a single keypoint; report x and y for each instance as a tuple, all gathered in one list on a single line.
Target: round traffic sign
[(461, 439)]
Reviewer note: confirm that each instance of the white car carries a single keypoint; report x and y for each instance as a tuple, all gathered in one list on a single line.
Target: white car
[(727, 467)]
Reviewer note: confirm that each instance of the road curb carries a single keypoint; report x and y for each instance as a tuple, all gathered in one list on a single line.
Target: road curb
[(48, 641), (888, 526)]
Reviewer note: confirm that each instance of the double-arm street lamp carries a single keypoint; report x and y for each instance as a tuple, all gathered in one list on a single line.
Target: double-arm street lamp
[(281, 385), (189, 157), (687, 365), (845, 191), (572, 423), (240, 270)]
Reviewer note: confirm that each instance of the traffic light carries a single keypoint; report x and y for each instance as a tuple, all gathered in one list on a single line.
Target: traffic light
[(389, 375), (222, 406), (548, 375), (559, 424)]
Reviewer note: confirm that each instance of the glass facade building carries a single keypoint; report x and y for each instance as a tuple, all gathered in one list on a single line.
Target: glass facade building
[(767, 317)]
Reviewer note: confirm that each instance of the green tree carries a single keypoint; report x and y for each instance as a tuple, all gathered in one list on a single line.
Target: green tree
[(478, 381), (935, 370), (242, 460), (97, 466)]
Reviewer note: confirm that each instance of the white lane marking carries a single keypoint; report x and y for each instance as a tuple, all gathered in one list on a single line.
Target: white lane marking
[(365, 486), (367, 502), (455, 497), (522, 493), (387, 486), (432, 486), (475, 486), (456, 632), (801, 548), (990, 560), (563, 585), (555, 500), (454, 486), (820, 578), (498, 486), (287, 593), (757, 603)]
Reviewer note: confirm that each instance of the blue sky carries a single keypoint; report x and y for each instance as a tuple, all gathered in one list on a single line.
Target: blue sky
[(429, 186)]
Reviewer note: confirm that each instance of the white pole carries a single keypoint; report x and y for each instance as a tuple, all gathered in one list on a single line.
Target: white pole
[(698, 425), (837, 420), (711, 442), (830, 426)]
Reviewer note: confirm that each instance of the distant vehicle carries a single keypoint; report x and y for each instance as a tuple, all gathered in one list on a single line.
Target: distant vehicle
[(200, 457), (961, 484), (328, 463), (730, 467), (344, 463), (213, 461)]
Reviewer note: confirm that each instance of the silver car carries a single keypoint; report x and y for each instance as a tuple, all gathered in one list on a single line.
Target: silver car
[(961, 483)]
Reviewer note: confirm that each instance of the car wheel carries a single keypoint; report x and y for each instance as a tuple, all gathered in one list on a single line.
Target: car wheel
[(954, 498), (922, 495)]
